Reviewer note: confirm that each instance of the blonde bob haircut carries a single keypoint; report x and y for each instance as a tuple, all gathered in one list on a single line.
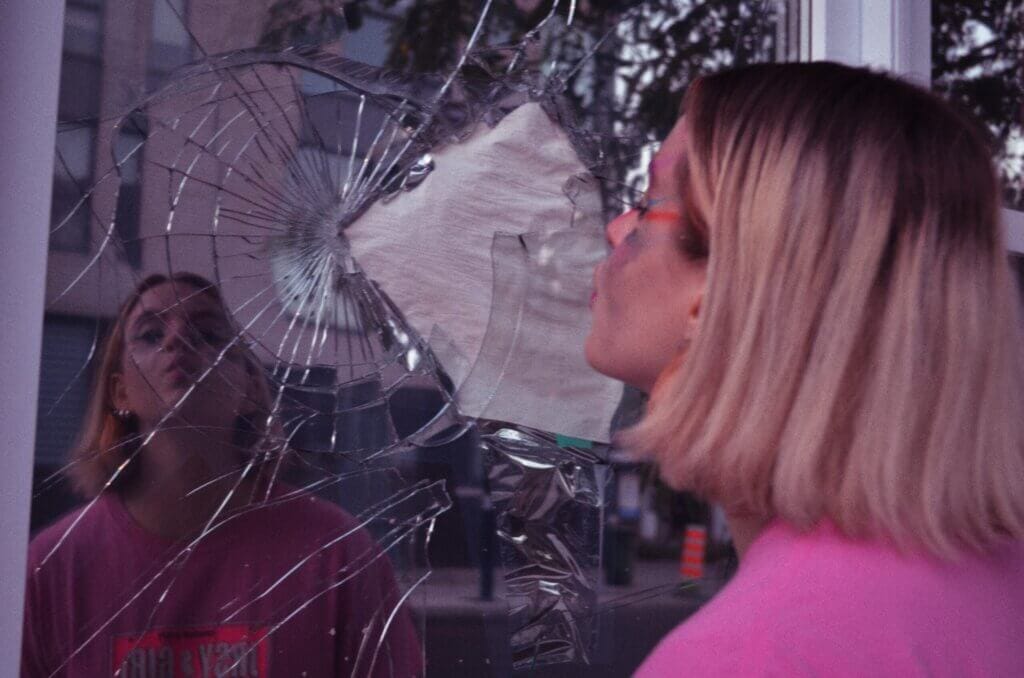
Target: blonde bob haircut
[(858, 357), (106, 441)]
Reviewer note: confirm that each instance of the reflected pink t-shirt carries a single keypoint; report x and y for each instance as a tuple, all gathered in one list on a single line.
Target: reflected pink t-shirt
[(819, 604), (290, 588)]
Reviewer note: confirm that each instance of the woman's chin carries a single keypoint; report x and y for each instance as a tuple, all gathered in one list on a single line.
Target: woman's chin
[(603, 361), (593, 355), (196, 410)]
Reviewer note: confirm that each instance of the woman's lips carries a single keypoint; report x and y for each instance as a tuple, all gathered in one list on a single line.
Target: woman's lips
[(177, 375), (178, 378)]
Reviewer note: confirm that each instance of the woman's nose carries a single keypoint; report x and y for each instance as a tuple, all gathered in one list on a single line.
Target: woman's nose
[(618, 228), (176, 337)]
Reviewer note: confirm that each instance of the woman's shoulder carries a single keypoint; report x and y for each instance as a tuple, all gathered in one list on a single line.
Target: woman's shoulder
[(718, 640), (802, 600), (86, 525), (812, 575), (839, 569)]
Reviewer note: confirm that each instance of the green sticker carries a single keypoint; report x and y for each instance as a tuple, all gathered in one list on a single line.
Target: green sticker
[(569, 441)]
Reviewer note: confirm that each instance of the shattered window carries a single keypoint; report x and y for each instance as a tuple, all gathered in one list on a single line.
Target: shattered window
[(313, 381)]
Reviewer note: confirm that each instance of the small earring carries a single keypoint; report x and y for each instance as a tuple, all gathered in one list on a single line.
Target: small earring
[(123, 414)]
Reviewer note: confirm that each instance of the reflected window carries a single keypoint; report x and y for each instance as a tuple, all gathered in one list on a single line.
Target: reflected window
[(170, 44), (64, 377), (128, 153), (78, 104)]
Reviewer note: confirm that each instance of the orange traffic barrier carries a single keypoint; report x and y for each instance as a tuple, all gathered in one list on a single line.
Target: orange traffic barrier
[(691, 560)]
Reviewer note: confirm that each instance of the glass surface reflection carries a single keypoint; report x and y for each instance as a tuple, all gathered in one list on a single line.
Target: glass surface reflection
[(303, 493)]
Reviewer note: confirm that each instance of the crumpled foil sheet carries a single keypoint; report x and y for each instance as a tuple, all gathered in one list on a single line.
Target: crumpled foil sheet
[(549, 501)]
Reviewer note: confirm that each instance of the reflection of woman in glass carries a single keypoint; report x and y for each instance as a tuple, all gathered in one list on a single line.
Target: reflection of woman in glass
[(190, 561), (816, 295)]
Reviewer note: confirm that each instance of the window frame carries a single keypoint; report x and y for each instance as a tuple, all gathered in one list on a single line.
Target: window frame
[(30, 56), (157, 72)]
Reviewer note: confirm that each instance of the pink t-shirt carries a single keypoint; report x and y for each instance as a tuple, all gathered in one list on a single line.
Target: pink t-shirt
[(819, 604), (262, 595)]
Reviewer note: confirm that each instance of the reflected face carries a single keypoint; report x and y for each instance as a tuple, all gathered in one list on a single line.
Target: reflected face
[(647, 292), (172, 336)]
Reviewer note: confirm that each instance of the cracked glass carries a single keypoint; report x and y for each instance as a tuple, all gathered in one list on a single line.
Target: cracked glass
[(313, 399)]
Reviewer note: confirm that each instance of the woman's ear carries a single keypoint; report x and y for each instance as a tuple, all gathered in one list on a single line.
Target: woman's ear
[(694, 306), (117, 392), (257, 397), (254, 409)]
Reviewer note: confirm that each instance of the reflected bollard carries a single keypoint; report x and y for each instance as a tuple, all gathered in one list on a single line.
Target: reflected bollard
[(620, 543), (488, 543), (691, 559)]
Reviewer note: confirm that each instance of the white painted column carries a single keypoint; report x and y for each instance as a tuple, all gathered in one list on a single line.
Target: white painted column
[(30, 54), (894, 35), (1014, 222), (833, 31)]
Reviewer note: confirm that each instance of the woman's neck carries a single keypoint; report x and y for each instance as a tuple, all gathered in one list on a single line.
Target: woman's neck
[(182, 481), (744, 529)]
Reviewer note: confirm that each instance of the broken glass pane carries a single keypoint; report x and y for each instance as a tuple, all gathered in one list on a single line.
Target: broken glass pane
[(549, 501), (403, 256)]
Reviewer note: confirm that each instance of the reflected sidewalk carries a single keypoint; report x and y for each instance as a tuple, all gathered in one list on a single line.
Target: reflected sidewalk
[(467, 636)]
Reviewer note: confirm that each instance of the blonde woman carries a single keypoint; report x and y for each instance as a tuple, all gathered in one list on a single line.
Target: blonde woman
[(187, 560), (815, 293)]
